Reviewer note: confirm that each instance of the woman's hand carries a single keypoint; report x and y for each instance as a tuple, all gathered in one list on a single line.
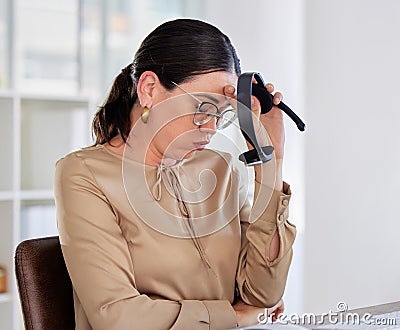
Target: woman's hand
[(276, 310), (249, 315), (272, 121), (246, 314)]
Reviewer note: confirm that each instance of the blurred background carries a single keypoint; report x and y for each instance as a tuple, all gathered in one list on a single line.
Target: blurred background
[(337, 63)]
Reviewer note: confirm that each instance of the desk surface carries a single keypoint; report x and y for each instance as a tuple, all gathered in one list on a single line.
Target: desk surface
[(379, 309)]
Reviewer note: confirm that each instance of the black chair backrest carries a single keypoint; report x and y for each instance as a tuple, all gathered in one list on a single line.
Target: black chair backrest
[(44, 285)]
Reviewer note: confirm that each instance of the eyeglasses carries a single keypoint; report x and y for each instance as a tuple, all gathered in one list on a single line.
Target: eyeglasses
[(206, 111)]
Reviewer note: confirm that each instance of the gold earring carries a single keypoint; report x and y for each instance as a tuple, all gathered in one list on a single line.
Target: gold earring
[(145, 114)]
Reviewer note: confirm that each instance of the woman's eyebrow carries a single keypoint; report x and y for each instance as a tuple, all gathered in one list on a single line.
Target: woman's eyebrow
[(211, 98)]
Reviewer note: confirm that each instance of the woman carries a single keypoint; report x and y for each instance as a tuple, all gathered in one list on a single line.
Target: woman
[(136, 247)]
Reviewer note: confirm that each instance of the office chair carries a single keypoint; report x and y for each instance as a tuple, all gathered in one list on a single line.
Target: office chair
[(44, 286)]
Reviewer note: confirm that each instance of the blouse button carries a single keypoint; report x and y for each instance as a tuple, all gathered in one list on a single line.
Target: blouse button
[(285, 202), (281, 218)]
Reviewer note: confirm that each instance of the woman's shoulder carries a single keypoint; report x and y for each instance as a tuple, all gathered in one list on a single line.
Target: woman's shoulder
[(91, 152), (79, 160)]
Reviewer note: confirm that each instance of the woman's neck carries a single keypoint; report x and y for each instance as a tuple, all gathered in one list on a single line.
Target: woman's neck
[(139, 146), (117, 146)]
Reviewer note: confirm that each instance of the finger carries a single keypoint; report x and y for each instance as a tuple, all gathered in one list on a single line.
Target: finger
[(279, 311), (276, 315), (229, 91), (278, 97), (255, 104), (270, 87), (282, 308)]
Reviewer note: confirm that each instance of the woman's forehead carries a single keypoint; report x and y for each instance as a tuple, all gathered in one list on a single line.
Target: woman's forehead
[(213, 82)]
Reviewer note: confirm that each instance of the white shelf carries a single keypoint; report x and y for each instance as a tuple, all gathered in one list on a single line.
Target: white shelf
[(5, 298), (6, 195), (36, 130), (53, 97), (7, 93), (36, 194)]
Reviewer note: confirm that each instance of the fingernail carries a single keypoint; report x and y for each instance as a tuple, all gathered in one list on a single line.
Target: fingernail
[(231, 89), (277, 101)]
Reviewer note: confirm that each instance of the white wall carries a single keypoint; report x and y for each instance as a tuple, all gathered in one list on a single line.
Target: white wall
[(337, 63), (353, 156)]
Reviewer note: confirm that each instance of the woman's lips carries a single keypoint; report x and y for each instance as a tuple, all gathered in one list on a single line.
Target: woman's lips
[(200, 145)]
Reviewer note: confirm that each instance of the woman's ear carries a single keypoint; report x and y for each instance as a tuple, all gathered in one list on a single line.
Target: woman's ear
[(148, 89)]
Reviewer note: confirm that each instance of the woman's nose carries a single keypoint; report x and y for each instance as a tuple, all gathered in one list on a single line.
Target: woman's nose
[(210, 126)]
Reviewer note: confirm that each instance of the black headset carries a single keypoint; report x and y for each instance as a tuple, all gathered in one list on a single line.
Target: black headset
[(246, 88)]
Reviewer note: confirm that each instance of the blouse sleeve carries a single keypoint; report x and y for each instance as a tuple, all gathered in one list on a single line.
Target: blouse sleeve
[(261, 282), (101, 269)]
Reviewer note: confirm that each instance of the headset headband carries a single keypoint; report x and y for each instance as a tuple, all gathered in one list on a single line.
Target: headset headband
[(245, 89), (244, 92)]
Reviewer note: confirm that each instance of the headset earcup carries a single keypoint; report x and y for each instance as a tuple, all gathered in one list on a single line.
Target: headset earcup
[(263, 97)]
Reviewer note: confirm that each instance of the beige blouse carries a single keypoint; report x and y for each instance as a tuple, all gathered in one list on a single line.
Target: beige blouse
[(126, 232)]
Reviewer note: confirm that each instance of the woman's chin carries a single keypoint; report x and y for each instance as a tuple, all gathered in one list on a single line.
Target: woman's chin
[(192, 152), (188, 154)]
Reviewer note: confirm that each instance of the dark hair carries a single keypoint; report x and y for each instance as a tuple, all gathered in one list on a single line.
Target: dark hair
[(176, 51)]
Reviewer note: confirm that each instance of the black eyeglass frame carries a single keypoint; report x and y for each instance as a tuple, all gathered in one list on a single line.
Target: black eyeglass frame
[(217, 114)]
